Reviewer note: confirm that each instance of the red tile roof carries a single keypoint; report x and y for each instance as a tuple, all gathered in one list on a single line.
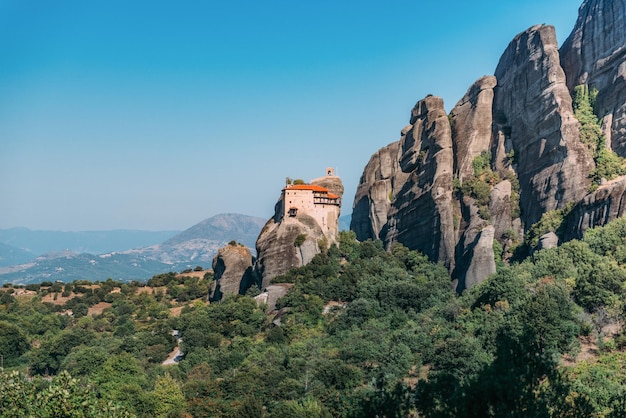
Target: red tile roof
[(312, 187)]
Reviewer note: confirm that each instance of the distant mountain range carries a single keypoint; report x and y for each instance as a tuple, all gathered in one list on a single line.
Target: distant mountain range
[(121, 255), (93, 242), (10, 255)]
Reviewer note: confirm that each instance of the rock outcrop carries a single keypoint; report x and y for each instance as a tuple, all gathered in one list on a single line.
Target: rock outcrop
[(471, 126), (533, 108), (279, 248), (406, 191), (381, 177), (548, 240), (306, 219), (420, 215), (232, 271), (272, 293), (471, 138), (509, 152), (481, 261), (595, 54), (605, 204)]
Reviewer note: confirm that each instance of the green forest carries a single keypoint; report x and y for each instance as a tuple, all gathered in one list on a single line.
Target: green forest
[(363, 332)]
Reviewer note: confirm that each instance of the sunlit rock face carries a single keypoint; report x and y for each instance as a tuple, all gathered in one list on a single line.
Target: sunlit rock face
[(595, 54), (425, 192), (472, 125), (533, 106), (232, 271), (405, 192)]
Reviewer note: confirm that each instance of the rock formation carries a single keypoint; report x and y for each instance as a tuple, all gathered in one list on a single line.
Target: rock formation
[(595, 54), (605, 204), (421, 212), (471, 126), (509, 151), (533, 106), (481, 261), (306, 219), (548, 240), (232, 271), (376, 190)]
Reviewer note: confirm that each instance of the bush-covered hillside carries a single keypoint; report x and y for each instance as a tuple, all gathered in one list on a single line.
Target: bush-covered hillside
[(363, 332)]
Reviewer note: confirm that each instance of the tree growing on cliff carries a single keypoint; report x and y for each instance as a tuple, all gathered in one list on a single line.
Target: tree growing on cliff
[(608, 164)]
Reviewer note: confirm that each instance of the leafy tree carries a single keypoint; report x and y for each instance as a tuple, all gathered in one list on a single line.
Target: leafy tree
[(84, 360), (13, 342), (551, 221), (169, 396), (64, 396), (305, 408), (48, 357), (481, 163)]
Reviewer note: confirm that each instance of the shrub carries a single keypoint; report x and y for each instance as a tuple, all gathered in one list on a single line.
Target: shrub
[(477, 189), (299, 240), (550, 221), (481, 163)]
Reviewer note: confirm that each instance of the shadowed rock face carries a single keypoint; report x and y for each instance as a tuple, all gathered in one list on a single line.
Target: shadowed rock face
[(533, 105), (595, 54), (420, 215), (482, 263), (375, 192), (232, 271), (605, 204), (405, 192)]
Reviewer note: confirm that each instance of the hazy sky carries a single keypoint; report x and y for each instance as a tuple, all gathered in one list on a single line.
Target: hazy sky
[(159, 114)]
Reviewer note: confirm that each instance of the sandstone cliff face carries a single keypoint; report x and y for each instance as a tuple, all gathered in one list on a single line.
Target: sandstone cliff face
[(278, 250), (605, 204), (533, 106), (481, 261), (420, 215), (595, 54), (232, 271), (406, 191), (471, 126), (523, 119), (471, 137), (375, 192)]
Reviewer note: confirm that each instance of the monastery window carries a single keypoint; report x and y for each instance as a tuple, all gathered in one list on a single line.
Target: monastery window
[(293, 212)]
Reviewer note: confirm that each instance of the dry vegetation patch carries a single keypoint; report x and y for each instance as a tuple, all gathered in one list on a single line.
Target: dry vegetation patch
[(149, 290), (59, 299), (198, 274), (176, 311), (98, 308)]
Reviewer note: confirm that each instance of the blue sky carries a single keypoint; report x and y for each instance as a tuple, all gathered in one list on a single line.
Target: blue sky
[(159, 114)]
